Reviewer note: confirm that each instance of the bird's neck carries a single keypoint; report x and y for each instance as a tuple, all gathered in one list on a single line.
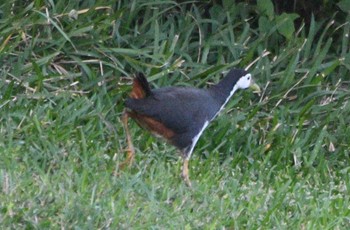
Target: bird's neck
[(224, 90)]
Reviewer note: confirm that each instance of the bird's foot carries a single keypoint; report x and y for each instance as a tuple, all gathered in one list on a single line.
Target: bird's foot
[(130, 150), (129, 158), (186, 179), (184, 173)]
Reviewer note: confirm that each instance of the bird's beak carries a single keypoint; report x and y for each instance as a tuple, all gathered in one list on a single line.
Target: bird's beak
[(255, 87)]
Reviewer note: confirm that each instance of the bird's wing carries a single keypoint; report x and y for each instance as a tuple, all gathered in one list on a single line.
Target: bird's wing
[(176, 108)]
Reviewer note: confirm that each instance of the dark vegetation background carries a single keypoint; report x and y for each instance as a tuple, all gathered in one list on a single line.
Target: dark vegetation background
[(275, 160)]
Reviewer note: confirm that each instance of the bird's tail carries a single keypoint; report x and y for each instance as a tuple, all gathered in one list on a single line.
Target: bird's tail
[(140, 88)]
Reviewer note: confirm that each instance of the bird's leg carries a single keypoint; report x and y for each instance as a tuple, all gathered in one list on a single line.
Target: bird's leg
[(130, 150), (184, 173)]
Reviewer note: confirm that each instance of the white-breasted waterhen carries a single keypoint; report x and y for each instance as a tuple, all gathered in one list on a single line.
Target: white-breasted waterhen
[(180, 114)]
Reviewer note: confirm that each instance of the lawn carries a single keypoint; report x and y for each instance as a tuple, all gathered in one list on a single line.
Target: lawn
[(278, 159)]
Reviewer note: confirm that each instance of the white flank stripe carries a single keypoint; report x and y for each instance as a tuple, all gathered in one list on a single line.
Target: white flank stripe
[(195, 139), (228, 98), (206, 123)]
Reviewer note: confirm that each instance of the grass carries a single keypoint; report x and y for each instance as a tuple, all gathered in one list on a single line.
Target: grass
[(276, 160)]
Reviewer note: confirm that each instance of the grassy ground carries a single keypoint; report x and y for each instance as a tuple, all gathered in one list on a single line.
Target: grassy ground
[(276, 160)]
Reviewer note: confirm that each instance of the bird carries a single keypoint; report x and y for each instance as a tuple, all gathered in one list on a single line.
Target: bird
[(179, 114)]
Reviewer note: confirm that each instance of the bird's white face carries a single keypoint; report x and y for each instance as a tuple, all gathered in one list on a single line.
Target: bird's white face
[(245, 81)]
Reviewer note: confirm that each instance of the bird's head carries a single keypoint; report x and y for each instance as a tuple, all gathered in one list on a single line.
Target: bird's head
[(246, 81)]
